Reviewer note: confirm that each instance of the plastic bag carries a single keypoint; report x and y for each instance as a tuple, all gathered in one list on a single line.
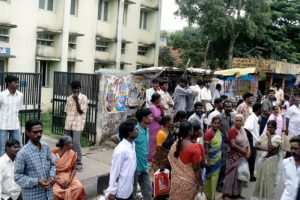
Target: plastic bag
[(161, 182), (200, 196), (243, 171)]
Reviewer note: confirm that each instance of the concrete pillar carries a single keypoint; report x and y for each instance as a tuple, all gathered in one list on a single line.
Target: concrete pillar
[(65, 37), (157, 37), (119, 33)]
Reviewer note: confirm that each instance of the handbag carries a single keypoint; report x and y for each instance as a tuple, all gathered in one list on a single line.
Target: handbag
[(161, 182), (243, 171), (200, 196)]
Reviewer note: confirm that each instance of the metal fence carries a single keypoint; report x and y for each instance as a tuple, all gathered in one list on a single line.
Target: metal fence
[(61, 91), (30, 86)]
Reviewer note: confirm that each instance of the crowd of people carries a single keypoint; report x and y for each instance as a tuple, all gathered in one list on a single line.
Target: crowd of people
[(209, 145)]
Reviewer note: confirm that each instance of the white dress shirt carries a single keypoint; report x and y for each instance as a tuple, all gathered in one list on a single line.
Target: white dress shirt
[(8, 187), (122, 170), (149, 93), (206, 95), (293, 114), (211, 116), (197, 118), (252, 125), (10, 104), (198, 90), (291, 179)]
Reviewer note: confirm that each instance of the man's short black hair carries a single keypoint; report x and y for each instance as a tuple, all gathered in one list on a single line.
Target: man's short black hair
[(11, 142), (184, 80), (206, 81), (198, 104), (75, 84), (33, 122), (163, 81), (218, 100), (247, 95), (256, 107), (227, 102), (218, 86), (10, 78), (180, 115), (156, 80), (125, 128), (295, 139), (223, 96), (200, 82), (270, 91), (141, 113)]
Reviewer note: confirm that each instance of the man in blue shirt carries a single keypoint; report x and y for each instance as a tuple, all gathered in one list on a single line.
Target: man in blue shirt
[(144, 117), (34, 169)]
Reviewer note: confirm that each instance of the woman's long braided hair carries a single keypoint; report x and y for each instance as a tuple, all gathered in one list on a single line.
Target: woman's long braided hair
[(184, 130)]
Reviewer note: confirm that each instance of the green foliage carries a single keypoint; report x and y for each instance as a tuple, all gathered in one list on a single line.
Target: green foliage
[(165, 57)]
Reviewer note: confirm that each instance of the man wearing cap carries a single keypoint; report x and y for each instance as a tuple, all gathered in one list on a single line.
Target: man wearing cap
[(181, 94)]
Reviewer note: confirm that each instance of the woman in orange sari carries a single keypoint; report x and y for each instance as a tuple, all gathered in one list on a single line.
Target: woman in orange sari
[(67, 186)]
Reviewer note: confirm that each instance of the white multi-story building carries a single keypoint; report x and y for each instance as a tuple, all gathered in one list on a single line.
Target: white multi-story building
[(78, 35)]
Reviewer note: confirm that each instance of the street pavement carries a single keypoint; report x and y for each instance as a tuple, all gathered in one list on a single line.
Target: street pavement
[(97, 161)]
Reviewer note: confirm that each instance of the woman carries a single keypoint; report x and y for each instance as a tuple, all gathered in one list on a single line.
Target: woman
[(213, 143), (267, 164), (185, 160), (238, 151), (164, 141), (67, 186), (276, 116), (154, 127)]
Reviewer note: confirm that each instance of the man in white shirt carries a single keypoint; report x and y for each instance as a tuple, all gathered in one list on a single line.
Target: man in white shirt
[(198, 116), (217, 92), (151, 91), (293, 118), (9, 190), (291, 171), (197, 87), (11, 101), (219, 103), (123, 164), (252, 128), (206, 96), (167, 102)]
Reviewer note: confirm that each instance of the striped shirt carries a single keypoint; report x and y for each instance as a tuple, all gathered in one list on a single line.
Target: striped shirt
[(33, 164), (75, 121), (10, 104)]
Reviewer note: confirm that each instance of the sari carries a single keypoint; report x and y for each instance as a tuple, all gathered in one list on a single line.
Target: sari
[(154, 127), (267, 168), (214, 164), (232, 186), (64, 167), (183, 179)]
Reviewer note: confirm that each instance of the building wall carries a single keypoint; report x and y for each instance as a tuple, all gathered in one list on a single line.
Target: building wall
[(26, 55)]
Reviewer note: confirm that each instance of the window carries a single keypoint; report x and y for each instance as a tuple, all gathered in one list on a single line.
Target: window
[(5, 0), (74, 7), (143, 19), (4, 35), (102, 46), (103, 10), (125, 14), (44, 70), (99, 66), (43, 4), (142, 50), (72, 42), (122, 66), (123, 48), (45, 39), (2, 65), (71, 67)]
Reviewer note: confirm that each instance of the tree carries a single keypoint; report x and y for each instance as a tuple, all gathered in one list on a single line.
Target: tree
[(165, 57), (226, 19)]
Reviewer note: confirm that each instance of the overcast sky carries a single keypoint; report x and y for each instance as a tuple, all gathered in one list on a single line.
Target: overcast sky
[(169, 21)]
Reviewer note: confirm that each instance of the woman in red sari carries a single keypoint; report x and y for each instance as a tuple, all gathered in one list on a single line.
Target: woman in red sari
[(67, 186)]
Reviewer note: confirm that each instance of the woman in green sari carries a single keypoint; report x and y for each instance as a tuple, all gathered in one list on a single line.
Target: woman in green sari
[(213, 143), (267, 163)]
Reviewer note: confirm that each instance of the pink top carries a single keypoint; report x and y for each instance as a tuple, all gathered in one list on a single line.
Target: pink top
[(279, 123)]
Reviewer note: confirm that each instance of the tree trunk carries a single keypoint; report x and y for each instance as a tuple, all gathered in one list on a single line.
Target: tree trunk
[(205, 54), (230, 50)]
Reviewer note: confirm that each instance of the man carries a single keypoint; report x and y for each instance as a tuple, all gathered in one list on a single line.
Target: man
[(34, 170), (151, 91), (142, 176), (123, 164), (291, 171), (197, 87), (206, 96), (182, 91), (293, 120), (76, 108), (267, 109), (11, 101), (217, 92), (279, 94), (226, 118), (198, 116), (167, 102), (218, 110), (245, 108), (252, 128), (8, 187)]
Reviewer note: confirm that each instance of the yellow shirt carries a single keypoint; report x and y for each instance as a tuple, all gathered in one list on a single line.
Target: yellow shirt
[(161, 138)]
